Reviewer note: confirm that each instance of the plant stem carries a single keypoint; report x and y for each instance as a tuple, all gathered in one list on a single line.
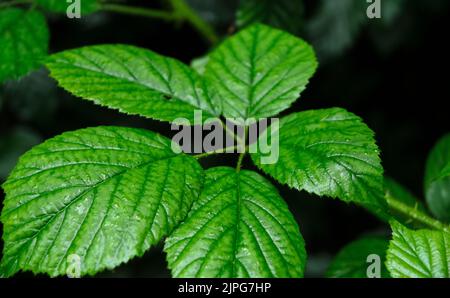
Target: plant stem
[(182, 9), (181, 12), (223, 150), (16, 2), (239, 163), (144, 12), (238, 139), (416, 214)]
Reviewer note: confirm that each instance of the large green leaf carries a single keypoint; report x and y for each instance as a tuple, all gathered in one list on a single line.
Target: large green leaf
[(283, 14), (105, 194), (60, 6), (328, 152), (421, 253), (260, 71), (23, 42), (437, 179), (239, 227), (352, 261), (134, 81)]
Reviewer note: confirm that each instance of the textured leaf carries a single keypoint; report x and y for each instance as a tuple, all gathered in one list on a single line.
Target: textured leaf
[(134, 81), (60, 6), (260, 71), (421, 253), (239, 227), (437, 179), (105, 194), (283, 14), (352, 261), (328, 152), (23, 42)]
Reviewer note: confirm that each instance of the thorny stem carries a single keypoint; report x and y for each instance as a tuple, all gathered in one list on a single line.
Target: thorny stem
[(180, 12), (416, 214)]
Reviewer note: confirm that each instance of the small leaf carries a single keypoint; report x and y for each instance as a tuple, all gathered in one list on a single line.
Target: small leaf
[(60, 6), (105, 194), (282, 14), (260, 71), (352, 260), (328, 152), (239, 227), (437, 179), (421, 253), (23, 42), (134, 81)]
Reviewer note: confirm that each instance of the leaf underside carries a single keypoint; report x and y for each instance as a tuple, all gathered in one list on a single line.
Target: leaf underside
[(134, 81), (105, 194), (421, 253), (239, 227), (24, 40), (328, 152)]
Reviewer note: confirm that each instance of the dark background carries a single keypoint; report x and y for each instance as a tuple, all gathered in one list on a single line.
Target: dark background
[(392, 72)]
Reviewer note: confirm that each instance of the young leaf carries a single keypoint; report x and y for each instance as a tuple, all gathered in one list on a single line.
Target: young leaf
[(23, 42), (354, 259), (60, 6), (421, 253), (134, 81), (260, 71), (437, 179), (328, 152), (105, 194), (239, 227), (283, 14)]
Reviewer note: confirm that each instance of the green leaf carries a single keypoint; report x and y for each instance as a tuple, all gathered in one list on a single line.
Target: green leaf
[(105, 194), (352, 261), (239, 227), (260, 71), (328, 152), (421, 253), (282, 14), (437, 179), (60, 6), (24, 40), (134, 81)]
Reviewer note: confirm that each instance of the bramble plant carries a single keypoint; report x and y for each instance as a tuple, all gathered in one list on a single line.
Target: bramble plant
[(105, 195)]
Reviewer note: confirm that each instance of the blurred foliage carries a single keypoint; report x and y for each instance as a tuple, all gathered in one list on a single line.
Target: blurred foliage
[(283, 14), (387, 71)]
